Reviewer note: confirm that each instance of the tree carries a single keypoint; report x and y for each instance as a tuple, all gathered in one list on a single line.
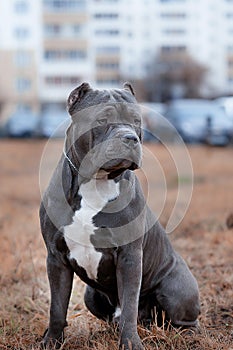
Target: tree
[(174, 74)]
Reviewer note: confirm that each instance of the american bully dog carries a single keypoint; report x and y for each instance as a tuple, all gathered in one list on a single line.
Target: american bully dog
[(95, 223)]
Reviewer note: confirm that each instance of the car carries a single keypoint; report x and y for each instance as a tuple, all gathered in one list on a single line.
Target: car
[(227, 104), (53, 122), (200, 121), (22, 123), (153, 121)]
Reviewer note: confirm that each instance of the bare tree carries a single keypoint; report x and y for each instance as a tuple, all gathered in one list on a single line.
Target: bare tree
[(174, 74)]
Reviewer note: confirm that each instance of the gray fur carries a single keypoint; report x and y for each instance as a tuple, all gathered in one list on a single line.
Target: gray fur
[(139, 269)]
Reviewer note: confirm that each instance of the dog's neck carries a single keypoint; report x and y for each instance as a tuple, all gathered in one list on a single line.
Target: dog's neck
[(100, 175), (70, 161)]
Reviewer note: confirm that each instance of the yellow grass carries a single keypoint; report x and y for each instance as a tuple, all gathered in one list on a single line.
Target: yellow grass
[(202, 238)]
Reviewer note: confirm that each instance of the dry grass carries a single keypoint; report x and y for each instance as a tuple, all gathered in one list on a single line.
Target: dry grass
[(203, 239)]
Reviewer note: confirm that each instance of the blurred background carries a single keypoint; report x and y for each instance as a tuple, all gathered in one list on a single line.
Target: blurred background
[(168, 49), (178, 54)]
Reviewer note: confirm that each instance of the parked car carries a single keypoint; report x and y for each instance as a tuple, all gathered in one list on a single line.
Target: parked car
[(152, 114), (53, 122), (3, 128), (23, 123), (227, 104), (200, 121)]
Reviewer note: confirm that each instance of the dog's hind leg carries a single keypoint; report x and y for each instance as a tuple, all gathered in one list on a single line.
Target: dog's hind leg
[(145, 314), (98, 304), (178, 296)]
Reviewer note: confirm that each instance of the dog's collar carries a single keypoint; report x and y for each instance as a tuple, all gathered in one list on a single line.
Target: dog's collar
[(70, 161), (100, 176)]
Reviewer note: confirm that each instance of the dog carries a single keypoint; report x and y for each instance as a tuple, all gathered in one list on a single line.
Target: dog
[(95, 222)]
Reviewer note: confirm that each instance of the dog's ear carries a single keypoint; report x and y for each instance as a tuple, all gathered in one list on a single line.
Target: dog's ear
[(128, 87), (77, 94)]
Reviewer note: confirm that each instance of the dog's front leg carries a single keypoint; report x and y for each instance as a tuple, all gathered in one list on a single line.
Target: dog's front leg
[(60, 280), (129, 275)]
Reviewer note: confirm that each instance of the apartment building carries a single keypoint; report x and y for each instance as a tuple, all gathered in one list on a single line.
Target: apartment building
[(201, 29), (195, 28), (127, 36), (19, 42), (65, 49), (106, 38), (228, 20), (47, 47)]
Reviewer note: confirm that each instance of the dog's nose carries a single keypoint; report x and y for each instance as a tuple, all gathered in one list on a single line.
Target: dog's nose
[(130, 139)]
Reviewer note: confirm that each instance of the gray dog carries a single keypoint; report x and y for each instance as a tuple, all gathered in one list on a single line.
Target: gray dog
[(95, 222)]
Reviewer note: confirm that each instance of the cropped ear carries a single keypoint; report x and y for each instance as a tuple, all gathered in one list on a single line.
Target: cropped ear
[(128, 87), (77, 94)]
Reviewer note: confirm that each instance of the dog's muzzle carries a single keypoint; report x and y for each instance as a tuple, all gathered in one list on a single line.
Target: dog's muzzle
[(113, 151), (122, 151)]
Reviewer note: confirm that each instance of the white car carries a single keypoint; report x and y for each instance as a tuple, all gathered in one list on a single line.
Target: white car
[(227, 104), (200, 121), (22, 123), (53, 122)]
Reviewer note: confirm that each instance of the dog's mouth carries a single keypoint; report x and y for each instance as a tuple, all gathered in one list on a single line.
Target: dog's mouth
[(117, 166)]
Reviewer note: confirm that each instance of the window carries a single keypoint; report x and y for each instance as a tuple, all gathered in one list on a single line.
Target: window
[(65, 5), (106, 16), (108, 65), (21, 33), (64, 30), (174, 31), (173, 15), (62, 80), (52, 29), (22, 107), (172, 0), (103, 81), (22, 58), (230, 48), (172, 49), (23, 84), (106, 1), (108, 49), (112, 32), (77, 28), (21, 7), (64, 55)]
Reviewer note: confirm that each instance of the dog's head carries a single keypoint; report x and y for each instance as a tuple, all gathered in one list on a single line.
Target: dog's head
[(105, 133)]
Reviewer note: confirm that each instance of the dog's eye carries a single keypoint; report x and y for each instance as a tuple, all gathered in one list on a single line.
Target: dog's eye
[(102, 121)]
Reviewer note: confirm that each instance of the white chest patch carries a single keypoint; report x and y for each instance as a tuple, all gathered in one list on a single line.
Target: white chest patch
[(95, 195)]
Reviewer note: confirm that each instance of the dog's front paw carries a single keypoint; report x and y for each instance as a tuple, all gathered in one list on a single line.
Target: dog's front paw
[(50, 341), (131, 343)]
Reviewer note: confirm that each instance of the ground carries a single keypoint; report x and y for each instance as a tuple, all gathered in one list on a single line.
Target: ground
[(202, 238)]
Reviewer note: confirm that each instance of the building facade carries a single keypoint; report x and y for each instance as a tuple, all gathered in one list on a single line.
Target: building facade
[(19, 55), (47, 47), (65, 58)]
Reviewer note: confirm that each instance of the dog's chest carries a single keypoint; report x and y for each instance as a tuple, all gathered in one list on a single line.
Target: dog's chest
[(95, 195)]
